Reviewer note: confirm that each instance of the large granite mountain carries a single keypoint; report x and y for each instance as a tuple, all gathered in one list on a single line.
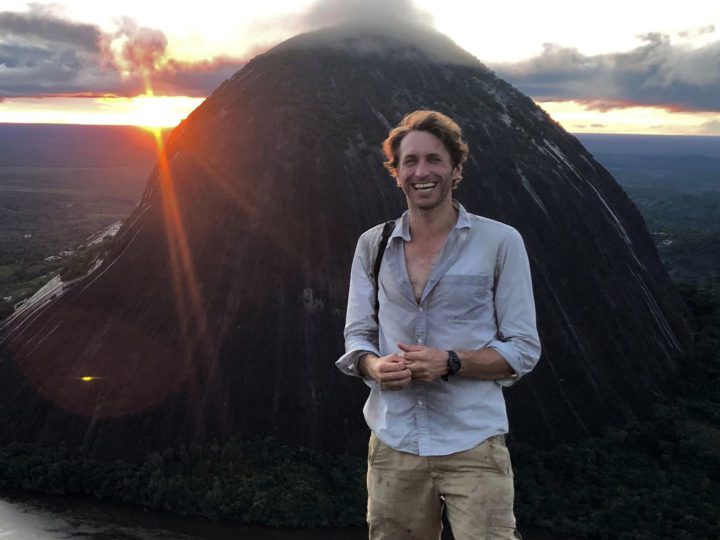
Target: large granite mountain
[(220, 306)]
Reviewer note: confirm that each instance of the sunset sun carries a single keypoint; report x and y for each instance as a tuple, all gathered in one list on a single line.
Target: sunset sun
[(155, 111)]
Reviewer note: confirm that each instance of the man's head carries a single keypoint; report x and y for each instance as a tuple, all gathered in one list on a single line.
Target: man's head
[(435, 123)]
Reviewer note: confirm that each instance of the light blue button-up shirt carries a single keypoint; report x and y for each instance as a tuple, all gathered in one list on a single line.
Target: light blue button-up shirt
[(479, 295)]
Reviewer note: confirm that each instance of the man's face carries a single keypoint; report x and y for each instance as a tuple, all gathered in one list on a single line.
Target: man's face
[(425, 171)]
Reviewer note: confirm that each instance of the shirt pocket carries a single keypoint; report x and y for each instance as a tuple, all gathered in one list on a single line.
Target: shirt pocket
[(464, 297)]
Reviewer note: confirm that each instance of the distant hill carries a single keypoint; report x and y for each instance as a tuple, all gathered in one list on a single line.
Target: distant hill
[(655, 145), (59, 184), (59, 145)]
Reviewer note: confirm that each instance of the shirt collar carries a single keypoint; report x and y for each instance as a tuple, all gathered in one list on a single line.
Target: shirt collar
[(402, 225)]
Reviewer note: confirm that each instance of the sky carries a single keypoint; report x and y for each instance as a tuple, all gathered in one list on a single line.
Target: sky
[(630, 66)]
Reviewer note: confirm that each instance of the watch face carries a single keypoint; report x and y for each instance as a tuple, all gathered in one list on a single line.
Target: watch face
[(453, 363)]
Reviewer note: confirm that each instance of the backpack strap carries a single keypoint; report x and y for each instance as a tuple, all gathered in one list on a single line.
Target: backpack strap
[(386, 232)]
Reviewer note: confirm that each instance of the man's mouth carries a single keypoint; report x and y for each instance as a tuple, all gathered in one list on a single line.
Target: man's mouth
[(425, 186)]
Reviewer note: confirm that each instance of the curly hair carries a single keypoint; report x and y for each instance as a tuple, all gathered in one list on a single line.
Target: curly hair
[(436, 123)]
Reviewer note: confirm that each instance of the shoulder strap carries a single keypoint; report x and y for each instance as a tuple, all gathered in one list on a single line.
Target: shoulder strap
[(386, 232)]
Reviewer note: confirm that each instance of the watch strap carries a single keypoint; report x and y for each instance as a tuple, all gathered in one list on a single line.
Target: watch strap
[(453, 363)]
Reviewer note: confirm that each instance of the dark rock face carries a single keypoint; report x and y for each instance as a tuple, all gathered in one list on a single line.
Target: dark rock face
[(220, 309)]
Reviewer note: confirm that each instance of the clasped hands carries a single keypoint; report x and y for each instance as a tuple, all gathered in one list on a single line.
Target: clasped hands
[(395, 371)]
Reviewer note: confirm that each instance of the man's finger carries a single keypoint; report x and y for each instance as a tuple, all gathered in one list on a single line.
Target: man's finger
[(416, 356), (395, 375), (410, 348), (391, 366)]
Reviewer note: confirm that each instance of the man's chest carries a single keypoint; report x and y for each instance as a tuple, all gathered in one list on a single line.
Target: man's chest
[(420, 259), (453, 274)]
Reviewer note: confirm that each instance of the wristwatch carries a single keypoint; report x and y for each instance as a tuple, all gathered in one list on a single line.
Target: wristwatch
[(453, 364)]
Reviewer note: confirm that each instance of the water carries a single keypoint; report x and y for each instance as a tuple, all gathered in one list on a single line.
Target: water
[(26, 516), (40, 517)]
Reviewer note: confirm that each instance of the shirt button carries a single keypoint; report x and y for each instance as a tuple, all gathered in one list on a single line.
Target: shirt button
[(420, 341), (420, 402), (420, 308)]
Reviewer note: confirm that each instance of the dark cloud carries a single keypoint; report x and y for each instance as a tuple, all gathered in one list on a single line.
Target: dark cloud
[(43, 54), (657, 73), (41, 24), (193, 78)]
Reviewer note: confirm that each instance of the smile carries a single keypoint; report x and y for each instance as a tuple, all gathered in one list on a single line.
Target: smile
[(426, 185)]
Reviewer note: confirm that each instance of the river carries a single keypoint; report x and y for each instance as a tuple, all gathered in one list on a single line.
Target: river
[(26, 516)]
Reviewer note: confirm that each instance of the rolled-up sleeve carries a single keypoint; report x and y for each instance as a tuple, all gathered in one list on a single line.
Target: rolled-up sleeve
[(361, 328), (517, 340)]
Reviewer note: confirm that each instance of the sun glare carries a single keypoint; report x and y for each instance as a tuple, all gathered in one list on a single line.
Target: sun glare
[(154, 111), (143, 111)]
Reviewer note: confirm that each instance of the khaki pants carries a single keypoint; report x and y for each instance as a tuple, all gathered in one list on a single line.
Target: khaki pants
[(406, 493)]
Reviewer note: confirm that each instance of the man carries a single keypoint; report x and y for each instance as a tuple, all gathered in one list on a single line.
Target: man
[(456, 323)]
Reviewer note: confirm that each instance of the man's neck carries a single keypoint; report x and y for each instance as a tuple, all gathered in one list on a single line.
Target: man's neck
[(427, 224)]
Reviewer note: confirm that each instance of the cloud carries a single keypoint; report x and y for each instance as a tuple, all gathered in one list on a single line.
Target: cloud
[(141, 50), (389, 28), (196, 79), (710, 128), (656, 73), (696, 32), (361, 13), (43, 54), (41, 23)]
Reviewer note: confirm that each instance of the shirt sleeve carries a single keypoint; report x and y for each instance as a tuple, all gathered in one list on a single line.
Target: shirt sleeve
[(361, 327), (518, 340)]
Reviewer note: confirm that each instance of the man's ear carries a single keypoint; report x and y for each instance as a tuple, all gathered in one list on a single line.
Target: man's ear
[(456, 175)]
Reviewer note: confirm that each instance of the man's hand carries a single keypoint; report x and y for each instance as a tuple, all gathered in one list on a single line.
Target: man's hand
[(425, 363), (390, 371)]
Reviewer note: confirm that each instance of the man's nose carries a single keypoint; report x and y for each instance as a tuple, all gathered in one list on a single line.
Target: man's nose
[(422, 169)]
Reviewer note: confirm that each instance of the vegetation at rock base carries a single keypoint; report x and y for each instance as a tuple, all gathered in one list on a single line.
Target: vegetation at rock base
[(258, 482), (653, 479), (658, 478), (82, 261)]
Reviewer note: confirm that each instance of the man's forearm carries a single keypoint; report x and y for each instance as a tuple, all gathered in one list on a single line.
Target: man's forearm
[(389, 371), (484, 365), (428, 363), (362, 364)]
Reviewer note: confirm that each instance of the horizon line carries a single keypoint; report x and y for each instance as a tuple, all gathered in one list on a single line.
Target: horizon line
[(145, 128)]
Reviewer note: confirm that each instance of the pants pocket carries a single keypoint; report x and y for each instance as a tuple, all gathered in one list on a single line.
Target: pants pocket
[(373, 445), (499, 455)]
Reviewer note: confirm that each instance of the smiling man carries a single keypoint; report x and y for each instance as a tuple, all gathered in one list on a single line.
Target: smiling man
[(451, 322)]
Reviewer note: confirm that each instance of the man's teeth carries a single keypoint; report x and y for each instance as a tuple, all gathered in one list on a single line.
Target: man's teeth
[(426, 185)]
